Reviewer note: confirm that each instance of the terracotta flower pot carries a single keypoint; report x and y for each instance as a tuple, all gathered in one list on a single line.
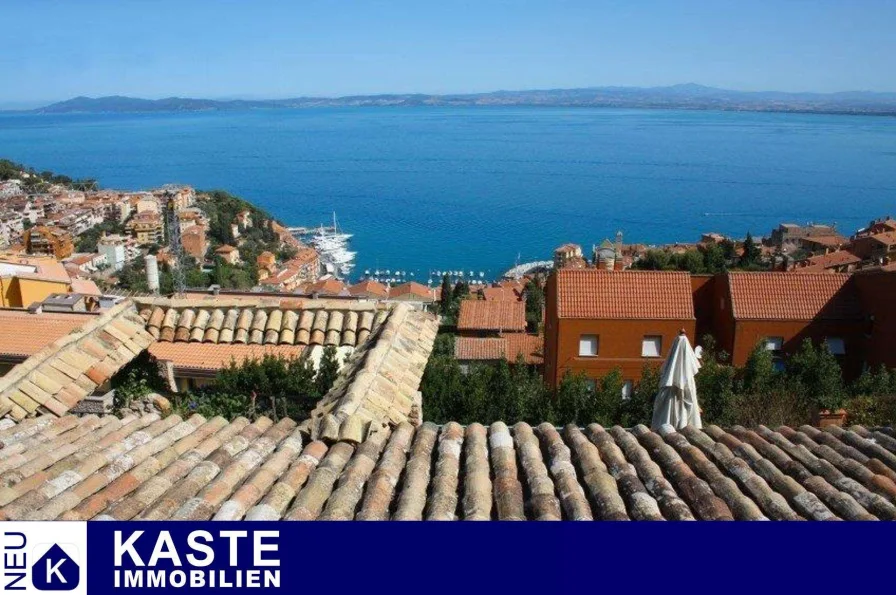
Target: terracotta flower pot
[(831, 418)]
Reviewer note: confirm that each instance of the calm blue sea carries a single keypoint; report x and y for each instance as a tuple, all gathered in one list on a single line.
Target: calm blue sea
[(476, 188)]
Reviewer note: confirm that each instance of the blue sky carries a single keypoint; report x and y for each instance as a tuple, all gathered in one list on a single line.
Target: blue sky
[(54, 49)]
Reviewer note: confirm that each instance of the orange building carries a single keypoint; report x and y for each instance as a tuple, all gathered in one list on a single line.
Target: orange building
[(781, 310), (49, 241), (24, 280), (876, 290), (598, 320), (194, 242)]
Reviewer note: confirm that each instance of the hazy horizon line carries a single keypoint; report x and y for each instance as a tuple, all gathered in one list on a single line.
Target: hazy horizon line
[(35, 103)]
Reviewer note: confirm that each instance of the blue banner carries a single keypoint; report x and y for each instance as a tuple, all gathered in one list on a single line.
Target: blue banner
[(149, 557)]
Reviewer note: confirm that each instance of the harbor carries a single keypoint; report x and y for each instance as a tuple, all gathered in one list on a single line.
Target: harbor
[(338, 261)]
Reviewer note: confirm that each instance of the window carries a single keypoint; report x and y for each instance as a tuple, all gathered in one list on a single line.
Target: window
[(774, 343), (651, 346), (591, 383), (627, 388), (836, 345), (776, 346), (588, 345)]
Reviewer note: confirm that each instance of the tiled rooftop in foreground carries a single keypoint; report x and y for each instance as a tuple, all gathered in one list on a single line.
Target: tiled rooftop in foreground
[(60, 375), (173, 468)]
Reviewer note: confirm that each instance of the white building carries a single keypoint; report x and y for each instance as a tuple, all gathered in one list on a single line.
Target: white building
[(117, 250)]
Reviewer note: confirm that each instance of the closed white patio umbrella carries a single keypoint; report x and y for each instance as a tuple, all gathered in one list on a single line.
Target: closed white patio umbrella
[(676, 402)]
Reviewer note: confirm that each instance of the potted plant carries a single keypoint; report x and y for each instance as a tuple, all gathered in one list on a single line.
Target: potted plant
[(831, 412)]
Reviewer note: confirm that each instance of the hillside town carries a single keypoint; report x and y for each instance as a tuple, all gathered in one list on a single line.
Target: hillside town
[(194, 320)]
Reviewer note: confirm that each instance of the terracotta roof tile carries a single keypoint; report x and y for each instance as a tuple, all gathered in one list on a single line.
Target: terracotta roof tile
[(85, 468), (80, 361), (833, 240), (887, 238), (85, 287), (788, 296), (412, 289), (508, 347), (23, 334), (379, 385), (826, 261), (260, 321), (327, 287), (480, 348), (211, 357), (500, 294), (492, 316), (652, 295), (369, 288), (531, 347)]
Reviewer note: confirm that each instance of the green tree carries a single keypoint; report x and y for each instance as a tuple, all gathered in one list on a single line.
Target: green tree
[(271, 385), (605, 405), (443, 386), (875, 383), (135, 380), (327, 371), (445, 305), (714, 259), (729, 250), (758, 373), (87, 241), (460, 292), (654, 260), (819, 373), (692, 261), (751, 253), (534, 304), (639, 408), (716, 385), (574, 397)]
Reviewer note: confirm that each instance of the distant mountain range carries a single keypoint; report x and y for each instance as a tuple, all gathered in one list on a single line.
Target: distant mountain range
[(688, 96)]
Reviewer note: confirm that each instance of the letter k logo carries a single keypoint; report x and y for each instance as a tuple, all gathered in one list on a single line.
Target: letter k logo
[(55, 571)]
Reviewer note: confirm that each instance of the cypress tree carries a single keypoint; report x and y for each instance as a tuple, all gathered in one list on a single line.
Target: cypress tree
[(327, 371)]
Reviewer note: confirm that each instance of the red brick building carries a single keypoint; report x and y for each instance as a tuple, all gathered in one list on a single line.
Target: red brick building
[(599, 320)]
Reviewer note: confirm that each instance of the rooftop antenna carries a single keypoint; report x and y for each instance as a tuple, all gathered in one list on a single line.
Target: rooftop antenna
[(175, 248)]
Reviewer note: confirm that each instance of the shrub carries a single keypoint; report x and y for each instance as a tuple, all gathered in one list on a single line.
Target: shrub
[(135, 380), (773, 407), (872, 410), (639, 408), (273, 386), (819, 374), (715, 387)]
